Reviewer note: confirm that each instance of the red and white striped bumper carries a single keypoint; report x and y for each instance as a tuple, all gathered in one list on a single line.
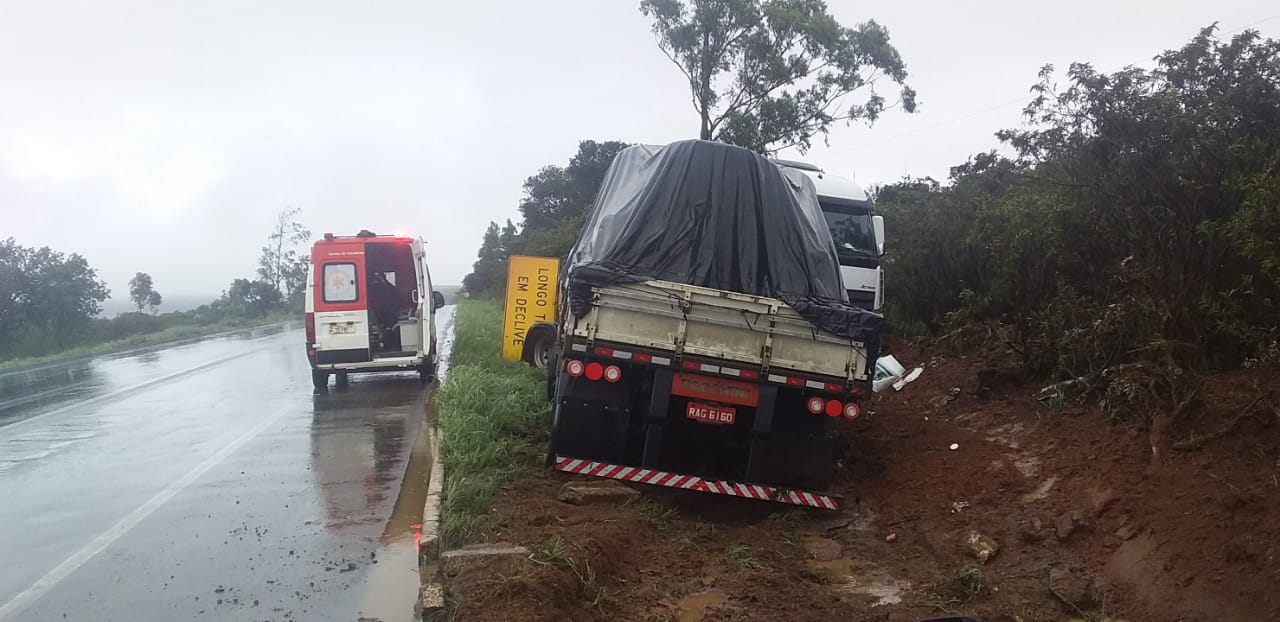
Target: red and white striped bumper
[(690, 482)]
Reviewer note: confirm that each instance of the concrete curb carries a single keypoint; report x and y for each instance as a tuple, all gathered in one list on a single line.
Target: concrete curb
[(431, 596)]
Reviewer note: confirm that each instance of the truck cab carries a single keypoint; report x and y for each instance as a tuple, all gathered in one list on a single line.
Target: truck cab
[(857, 231), (369, 307)]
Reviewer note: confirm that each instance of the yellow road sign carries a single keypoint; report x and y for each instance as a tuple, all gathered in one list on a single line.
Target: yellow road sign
[(531, 298)]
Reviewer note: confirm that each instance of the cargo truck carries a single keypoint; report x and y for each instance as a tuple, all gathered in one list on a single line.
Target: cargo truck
[(705, 341), (858, 232)]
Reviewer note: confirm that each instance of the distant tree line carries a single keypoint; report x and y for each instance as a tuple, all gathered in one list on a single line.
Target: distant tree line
[(49, 300)]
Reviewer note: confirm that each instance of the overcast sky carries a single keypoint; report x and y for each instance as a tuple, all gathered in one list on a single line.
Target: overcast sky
[(164, 136)]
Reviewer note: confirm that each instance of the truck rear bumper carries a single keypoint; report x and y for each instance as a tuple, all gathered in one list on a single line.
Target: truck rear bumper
[(690, 482)]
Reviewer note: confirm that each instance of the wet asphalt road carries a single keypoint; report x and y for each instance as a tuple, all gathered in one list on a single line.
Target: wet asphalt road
[(209, 482)]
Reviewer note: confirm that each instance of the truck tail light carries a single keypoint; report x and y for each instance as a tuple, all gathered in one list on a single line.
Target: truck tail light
[(612, 373), (834, 408), (311, 328), (574, 368), (816, 405), (852, 410), (594, 371)]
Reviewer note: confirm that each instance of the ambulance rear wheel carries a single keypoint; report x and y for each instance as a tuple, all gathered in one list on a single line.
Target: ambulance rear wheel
[(320, 379)]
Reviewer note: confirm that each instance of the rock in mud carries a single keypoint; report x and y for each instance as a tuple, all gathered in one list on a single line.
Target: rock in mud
[(1100, 501), (1033, 531), (822, 549), (472, 556), (1073, 588), (980, 547), (1067, 524), (603, 491)]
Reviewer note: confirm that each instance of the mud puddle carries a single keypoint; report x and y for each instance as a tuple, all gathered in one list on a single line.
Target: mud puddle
[(392, 586), (693, 608), (845, 576)]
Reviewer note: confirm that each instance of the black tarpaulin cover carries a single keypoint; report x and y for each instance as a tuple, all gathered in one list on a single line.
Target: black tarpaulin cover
[(714, 215)]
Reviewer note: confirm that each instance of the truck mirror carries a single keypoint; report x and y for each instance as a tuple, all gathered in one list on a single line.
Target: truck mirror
[(437, 300), (877, 222)]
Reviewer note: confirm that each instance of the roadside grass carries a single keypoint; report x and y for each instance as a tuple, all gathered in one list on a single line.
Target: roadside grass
[(556, 553), (494, 417), (742, 555), (146, 340), (656, 513)]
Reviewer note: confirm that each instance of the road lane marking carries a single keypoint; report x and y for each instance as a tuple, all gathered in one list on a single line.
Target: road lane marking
[(124, 525), (134, 387)]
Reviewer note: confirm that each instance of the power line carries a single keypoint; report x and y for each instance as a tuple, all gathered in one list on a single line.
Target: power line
[(1006, 104)]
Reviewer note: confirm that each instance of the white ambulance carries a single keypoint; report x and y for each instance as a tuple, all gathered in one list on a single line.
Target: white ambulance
[(370, 307)]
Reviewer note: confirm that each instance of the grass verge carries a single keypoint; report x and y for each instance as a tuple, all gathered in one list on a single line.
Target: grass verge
[(494, 417)]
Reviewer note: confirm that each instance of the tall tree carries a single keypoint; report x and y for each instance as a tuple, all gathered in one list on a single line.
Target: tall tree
[(141, 291), (153, 301), (558, 199), (281, 265), (488, 274), (46, 295), (771, 74)]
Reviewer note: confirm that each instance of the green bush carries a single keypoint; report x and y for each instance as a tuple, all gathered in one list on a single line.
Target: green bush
[(1139, 219)]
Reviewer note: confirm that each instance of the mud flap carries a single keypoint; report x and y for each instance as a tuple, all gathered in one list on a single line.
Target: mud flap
[(591, 420)]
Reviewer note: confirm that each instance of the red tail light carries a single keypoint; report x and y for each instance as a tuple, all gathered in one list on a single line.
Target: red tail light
[(834, 408), (816, 405), (594, 371), (613, 373), (311, 328), (574, 368), (851, 411)]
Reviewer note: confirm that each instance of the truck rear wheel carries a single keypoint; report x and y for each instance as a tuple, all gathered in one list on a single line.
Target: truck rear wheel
[(552, 368), (320, 379)]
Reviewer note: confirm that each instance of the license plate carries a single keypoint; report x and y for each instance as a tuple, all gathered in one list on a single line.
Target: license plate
[(705, 413), (342, 328)]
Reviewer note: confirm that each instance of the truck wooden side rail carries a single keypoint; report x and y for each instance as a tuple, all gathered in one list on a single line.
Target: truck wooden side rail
[(676, 385)]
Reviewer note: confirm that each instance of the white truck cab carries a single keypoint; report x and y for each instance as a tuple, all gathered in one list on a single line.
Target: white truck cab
[(370, 307), (856, 230)]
